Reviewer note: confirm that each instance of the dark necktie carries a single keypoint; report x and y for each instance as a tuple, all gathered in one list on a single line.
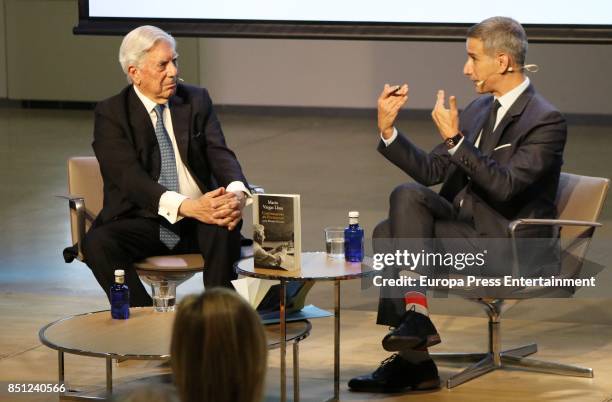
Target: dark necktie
[(485, 144), (463, 199), (168, 176)]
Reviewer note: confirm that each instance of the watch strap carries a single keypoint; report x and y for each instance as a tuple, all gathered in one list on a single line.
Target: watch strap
[(453, 141)]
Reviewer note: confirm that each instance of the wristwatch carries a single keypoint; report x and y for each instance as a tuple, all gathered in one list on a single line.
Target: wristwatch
[(452, 141)]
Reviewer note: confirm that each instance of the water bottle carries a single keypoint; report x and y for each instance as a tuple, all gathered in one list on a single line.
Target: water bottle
[(120, 297), (353, 239)]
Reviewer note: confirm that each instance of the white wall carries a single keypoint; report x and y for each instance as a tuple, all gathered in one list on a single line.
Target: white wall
[(43, 60), (350, 74), (278, 72), (3, 79)]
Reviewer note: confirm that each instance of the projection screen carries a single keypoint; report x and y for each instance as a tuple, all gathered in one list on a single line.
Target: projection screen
[(564, 21)]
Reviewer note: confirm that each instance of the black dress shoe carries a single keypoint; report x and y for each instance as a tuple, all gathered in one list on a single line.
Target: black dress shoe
[(416, 331), (396, 374)]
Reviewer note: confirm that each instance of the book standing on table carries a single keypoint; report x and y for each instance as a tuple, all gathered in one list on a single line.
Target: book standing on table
[(277, 231)]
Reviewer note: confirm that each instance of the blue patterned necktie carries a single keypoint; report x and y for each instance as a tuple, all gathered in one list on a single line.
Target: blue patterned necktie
[(168, 176)]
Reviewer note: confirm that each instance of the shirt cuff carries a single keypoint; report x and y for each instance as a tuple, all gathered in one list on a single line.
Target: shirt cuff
[(456, 147), (239, 186), (391, 139), (169, 204)]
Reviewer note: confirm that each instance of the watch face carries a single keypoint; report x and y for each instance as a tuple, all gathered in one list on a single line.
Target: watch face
[(451, 142)]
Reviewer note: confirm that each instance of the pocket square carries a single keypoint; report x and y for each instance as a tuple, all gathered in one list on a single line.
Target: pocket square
[(502, 146)]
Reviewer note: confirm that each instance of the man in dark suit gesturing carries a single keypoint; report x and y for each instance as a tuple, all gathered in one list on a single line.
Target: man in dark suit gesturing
[(500, 160), (171, 184)]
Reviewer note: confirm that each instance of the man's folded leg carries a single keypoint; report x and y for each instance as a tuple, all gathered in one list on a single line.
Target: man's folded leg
[(415, 331), (116, 245), (403, 307), (413, 212), (411, 334), (220, 248)]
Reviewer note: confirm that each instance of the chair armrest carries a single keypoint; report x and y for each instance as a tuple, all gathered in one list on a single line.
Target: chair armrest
[(550, 222), (533, 221), (77, 204), (74, 201)]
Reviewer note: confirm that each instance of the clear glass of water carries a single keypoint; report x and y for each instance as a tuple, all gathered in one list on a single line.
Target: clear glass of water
[(164, 295), (334, 242)]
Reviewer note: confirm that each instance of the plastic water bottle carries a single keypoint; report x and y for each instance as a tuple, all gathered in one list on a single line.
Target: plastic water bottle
[(353, 239), (120, 297)]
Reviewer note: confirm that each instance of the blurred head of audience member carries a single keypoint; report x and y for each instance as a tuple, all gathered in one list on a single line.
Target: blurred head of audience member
[(155, 392), (219, 350)]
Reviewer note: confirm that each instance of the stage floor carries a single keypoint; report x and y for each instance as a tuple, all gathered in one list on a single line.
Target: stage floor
[(24, 359), (332, 162)]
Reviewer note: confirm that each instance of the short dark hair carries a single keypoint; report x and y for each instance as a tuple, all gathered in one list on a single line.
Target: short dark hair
[(501, 34)]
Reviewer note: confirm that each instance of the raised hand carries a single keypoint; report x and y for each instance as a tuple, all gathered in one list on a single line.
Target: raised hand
[(390, 101), (447, 120)]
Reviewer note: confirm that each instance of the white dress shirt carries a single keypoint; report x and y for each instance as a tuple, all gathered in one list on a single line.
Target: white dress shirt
[(170, 201), (506, 101)]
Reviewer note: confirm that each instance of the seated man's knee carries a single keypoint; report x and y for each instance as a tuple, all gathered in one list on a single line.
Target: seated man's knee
[(219, 232), (382, 230), (95, 242), (381, 237), (407, 193)]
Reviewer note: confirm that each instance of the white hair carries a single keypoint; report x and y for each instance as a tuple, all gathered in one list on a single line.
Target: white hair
[(137, 43)]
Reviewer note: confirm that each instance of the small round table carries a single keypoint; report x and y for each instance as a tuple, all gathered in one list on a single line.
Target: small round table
[(315, 266), (145, 335)]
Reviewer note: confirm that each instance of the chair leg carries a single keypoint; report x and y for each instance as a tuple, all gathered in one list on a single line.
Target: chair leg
[(459, 357), (546, 367), (476, 370), (521, 351)]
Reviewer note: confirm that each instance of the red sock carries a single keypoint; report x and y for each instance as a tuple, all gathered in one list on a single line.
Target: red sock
[(416, 301)]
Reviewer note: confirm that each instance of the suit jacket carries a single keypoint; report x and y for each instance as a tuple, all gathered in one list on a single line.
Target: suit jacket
[(128, 152), (516, 178)]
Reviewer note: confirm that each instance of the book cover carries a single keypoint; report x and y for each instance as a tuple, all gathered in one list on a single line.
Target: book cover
[(277, 231)]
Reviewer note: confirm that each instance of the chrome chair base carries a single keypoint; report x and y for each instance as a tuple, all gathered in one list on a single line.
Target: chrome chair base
[(497, 359), (515, 358)]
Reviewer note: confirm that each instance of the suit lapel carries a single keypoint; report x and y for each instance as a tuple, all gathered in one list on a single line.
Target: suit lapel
[(180, 113), (139, 118), (513, 113), (479, 121)]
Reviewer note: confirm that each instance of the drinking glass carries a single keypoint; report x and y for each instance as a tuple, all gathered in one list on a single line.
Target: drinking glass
[(334, 242)]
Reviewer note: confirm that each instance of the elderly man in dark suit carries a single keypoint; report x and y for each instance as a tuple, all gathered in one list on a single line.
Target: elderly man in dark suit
[(171, 184), (500, 160)]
